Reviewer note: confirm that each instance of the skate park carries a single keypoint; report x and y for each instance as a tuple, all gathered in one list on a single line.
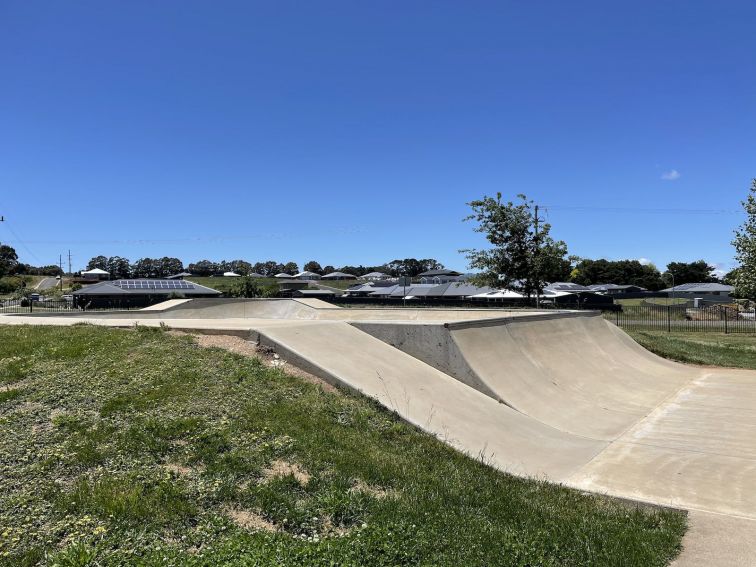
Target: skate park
[(563, 396)]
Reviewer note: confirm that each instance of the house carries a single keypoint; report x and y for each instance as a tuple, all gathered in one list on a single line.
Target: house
[(180, 276), (714, 292), (129, 294), (567, 286), (339, 276), (440, 276), (283, 276), (307, 276), (614, 289), (95, 274), (374, 276), (231, 275)]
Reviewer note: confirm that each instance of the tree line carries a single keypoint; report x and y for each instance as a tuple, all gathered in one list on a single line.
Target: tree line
[(119, 267)]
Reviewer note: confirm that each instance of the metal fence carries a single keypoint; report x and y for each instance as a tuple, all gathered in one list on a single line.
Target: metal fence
[(684, 318), (21, 306)]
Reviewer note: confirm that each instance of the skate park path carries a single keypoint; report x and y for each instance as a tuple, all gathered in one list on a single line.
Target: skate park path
[(561, 395)]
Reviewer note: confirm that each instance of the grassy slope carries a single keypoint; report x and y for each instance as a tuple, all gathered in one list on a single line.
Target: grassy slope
[(716, 349), (118, 445)]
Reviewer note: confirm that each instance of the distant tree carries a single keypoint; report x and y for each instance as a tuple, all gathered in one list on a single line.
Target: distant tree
[(241, 267), (290, 268), (8, 260), (119, 268), (169, 267), (203, 268), (269, 268), (98, 263), (731, 277), (520, 257), (250, 287), (146, 268), (412, 266), (329, 269), (689, 272), (623, 272), (745, 248), (314, 267)]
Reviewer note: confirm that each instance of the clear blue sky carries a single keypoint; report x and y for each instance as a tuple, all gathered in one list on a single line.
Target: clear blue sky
[(355, 132)]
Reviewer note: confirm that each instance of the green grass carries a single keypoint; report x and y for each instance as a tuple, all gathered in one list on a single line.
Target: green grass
[(141, 448), (716, 349), (651, 301)]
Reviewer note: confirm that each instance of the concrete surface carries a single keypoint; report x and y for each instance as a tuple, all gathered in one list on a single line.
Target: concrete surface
[(562, 395)]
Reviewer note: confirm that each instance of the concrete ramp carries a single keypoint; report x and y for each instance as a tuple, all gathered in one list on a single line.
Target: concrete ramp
[(459, 415)]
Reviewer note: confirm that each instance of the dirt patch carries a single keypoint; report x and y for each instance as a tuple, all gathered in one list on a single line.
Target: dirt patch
[(268, 357), (374, 491), (284, 468), (249, 520), (178, 470)]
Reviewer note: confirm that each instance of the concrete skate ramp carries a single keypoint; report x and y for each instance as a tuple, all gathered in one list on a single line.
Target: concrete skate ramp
[(457, 414)]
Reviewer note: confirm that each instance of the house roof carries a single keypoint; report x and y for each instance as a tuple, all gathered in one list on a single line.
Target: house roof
[(499, 294), (567, 286), (374, 275), (146, 287), (283, 275), (95, 271), (444, 272), (231, 275), (181, 275), (700, 288), (305, 273), (338, 275)]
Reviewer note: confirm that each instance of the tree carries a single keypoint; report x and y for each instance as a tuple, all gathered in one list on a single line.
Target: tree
[(689, 272), (203, 268), (241, 267), (169, 266), (313, 266), (522, 252), (250, 287), (290, 268), (119, 268), (411, 266), (146, 268), (8, 260), (329, 269), (269, 268), (627, 272), (98, 263), (745, 248)]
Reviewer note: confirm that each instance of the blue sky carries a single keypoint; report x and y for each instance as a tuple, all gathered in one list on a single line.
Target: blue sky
[(355, 132)]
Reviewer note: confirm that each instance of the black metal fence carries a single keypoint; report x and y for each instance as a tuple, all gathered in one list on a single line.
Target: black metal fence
[(684, 318), (25, 305)]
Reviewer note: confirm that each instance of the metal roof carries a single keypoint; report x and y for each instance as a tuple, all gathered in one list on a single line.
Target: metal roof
[(96, 271), (146, 287), (339, 275), (700, 288), (567, 286)]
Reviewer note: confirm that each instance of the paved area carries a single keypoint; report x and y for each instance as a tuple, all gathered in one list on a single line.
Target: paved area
[(566, 396)]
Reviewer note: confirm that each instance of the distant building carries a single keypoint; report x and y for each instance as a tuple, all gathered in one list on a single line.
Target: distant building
[(715, 292), (231, 275), (95, 274), (374, 276), (440, 276), (307, 276), (614, 289), (283, 276), (180, 276), (128, 294), (339, 276)]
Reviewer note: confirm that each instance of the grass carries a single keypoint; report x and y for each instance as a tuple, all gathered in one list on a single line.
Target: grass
[(717, 349), (141, 448), (652, 301)]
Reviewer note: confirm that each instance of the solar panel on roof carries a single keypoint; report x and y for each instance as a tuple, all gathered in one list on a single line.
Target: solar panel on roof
[(153, 284)]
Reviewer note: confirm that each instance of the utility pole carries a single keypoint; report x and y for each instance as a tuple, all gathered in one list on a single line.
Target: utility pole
[(69, 262), (60, 265), (535, 254)]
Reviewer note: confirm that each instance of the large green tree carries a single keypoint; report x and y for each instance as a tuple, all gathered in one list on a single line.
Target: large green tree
[(745, 248), (523, 256), (689, 272), (8, 260), (623, 272)]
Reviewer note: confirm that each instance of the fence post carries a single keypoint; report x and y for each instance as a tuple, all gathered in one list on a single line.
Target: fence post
[(617, 312), (31, 305), (725, 319), (669, 320)]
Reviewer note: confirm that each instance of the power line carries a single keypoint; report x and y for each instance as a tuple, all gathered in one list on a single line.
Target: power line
[(643, 210)]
